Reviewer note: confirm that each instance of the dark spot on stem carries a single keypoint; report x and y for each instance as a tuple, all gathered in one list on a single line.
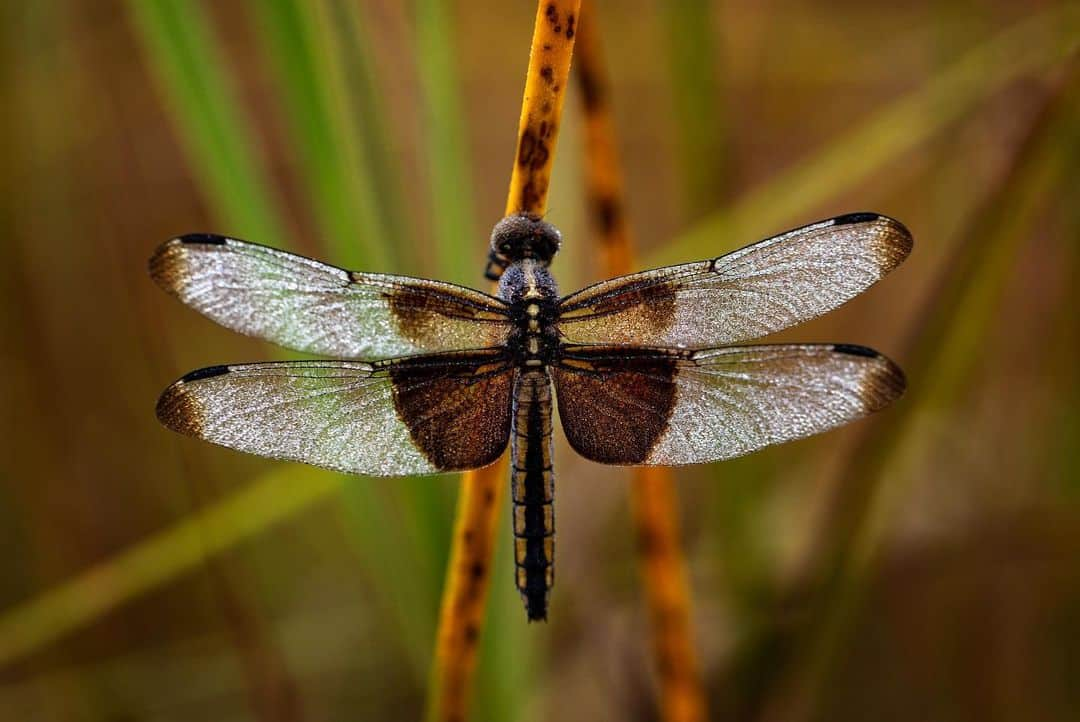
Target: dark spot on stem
[(476, 571), (570, 26), (548, 74), (649, 542), (541, 156), (531, 193), (533, 150), (607, 212), (526, 148), (664, 667), (471, 634), (592, 91)]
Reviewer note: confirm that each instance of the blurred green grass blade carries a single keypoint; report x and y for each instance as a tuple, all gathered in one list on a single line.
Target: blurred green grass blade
[(342, 194), (700, 127), (949, 347), (457, 248), (398, 564), (336, 50), (162, 557), (359, 86), (192, 74), (507, 667), (1032, 45), (428, 507)]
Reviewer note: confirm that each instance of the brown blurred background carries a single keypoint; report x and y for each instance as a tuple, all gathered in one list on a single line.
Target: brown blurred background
[(919, 565)]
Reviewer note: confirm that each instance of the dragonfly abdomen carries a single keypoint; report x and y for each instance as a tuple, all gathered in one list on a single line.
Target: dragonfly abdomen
[(532, 488)]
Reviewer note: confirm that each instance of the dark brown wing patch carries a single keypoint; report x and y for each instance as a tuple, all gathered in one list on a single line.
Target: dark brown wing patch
[(456, 407), (648, 307), (421, 314), (615, 403)]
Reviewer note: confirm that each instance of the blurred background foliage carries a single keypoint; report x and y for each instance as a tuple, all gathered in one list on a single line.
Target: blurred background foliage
[(919, 565)]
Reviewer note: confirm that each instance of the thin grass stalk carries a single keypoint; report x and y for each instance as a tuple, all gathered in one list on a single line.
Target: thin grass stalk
[(377, 148), (468, 572), (447, 141), (186, 62), (342, 194), (699, 121), (958, 316), (161, 557), (653, 496)]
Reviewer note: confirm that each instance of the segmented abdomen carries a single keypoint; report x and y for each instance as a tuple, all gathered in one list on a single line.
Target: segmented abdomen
[(532, 488)]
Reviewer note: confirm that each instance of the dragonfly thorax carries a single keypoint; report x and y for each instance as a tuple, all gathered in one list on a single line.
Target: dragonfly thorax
[(531, 292)]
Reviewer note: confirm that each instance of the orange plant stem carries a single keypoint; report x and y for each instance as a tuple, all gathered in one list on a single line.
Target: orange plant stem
[(467, 582), (541, 107), (465, 594), (653, 496)]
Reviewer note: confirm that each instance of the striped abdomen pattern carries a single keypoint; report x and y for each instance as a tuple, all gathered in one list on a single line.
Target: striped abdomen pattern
[(532, 488)]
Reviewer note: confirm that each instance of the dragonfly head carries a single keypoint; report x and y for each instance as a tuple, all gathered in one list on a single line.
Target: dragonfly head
[(518, 237)]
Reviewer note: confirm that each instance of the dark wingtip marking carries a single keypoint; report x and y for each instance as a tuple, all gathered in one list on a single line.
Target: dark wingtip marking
[(158, 263), (900, 235), (855, 350), (179, 411), (203, 238), (206, 373), (862, 217), (897, 377)]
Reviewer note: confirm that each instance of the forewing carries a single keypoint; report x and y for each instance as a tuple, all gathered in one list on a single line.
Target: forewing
[(750, 293), (418, 415), (320, 309), (672, 407)]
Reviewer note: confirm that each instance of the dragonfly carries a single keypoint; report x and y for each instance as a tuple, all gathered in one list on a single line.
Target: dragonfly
[(430, 377)]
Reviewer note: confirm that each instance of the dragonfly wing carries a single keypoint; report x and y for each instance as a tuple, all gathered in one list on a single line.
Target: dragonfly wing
[(310, 306), (417, 415), (752, 292), (671, 407)]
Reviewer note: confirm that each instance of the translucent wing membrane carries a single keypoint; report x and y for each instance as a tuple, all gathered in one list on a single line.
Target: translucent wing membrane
[(320, 309), (752, 292), (672, 407), (419, 415)]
